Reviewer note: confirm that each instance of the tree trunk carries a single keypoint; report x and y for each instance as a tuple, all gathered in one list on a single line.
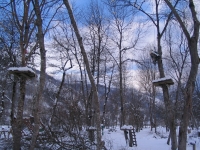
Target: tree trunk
[(150, 113), (153, 106), (56, 98), (22, 24), (12, 113), (188, 92), (41, 84), (168, 104), (17, 124), (194, 57), (96, 101)]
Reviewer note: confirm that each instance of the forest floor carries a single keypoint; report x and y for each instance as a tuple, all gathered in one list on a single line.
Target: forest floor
[(146, 140)]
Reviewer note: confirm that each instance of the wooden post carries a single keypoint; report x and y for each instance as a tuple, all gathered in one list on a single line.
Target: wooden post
[(131, 139), (194, 146), (168, 140)]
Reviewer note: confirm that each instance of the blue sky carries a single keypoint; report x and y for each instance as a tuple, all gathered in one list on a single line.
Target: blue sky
[(81, 2)]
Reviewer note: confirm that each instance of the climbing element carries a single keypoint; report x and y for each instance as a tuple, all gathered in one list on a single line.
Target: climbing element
[(132, 137)]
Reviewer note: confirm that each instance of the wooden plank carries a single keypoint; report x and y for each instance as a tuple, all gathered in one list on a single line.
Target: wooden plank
[(22, 71), (163, 81)]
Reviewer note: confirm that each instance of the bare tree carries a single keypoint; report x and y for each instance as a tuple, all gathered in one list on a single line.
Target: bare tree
[(96, 100), (177, 63), (9, 39), (40, 9), (122, 21), (196, 105), (95, 39), (107, 89), (192, 40), (40, 38), (25, 28), (156, 19), (147, 73), (66, 64)]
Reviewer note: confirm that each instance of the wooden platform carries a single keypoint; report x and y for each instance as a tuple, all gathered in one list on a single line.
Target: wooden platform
[(163, 81), (22, 71)]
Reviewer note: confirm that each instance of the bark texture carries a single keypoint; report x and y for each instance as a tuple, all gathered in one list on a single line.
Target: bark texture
[(41, 84), (17, 124), (23, 29)]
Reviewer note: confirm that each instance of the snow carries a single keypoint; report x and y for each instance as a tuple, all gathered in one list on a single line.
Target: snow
[(4, 128), (5, 132), (92, 128), (146, 140), (126, 127), (114, 139), (154, 52)]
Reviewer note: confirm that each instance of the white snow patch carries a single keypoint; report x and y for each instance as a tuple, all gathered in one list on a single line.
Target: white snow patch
[(126, 127), (146, 140), (161, 79), (92, 128)]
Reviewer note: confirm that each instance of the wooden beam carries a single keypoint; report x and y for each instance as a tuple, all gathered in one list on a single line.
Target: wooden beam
[(22, 71), (163, 81)]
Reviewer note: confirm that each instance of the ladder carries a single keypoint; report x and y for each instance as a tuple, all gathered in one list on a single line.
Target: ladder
[(133, 137)]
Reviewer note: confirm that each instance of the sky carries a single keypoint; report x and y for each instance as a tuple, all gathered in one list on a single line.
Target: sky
[(149, 38), (81, 3)]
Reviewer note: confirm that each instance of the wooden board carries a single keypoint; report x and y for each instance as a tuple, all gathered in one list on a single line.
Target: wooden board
[(163, 81), (24, 73)]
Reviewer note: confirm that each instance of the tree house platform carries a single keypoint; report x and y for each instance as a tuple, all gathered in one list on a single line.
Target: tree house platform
[(22, 71), (163, 81)]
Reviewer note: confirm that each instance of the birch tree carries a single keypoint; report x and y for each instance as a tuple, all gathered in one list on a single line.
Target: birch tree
[(40, 9), (122, 22), (81, 45)]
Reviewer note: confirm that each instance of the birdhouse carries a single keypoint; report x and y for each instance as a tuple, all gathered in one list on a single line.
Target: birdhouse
[(154, 56)]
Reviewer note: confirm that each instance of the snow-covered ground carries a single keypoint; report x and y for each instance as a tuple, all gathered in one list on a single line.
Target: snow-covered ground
[(114, 140), (146, 140)]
